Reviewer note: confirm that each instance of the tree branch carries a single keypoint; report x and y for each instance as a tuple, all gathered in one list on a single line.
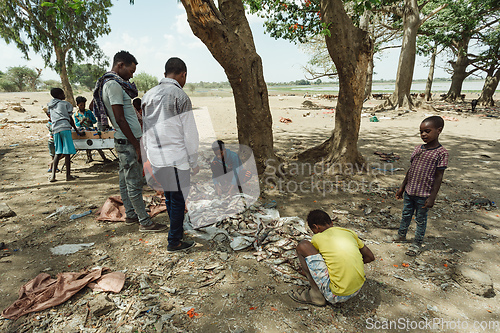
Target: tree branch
[(480, 67), (388, 27), (214, 9), (472, 71), (431, 14), (393, 9), (422, 5), (389, 47), (316, 76), (33, 18), (485, 26)]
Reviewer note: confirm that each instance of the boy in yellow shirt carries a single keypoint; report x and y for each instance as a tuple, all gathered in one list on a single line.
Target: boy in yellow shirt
[(333, 262)]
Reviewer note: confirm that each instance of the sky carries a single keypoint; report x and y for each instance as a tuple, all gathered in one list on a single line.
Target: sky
[(155, 30)]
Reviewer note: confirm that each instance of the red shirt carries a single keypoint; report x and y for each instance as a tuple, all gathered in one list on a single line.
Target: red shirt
[(424, 163)]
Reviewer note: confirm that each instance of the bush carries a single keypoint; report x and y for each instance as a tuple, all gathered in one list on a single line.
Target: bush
[(20, 78), (191, 87), (7, 85), (144, 81), (86, 75), (49, 84)]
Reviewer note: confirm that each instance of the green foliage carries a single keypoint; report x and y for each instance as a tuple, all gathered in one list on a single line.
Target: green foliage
[(7, 85), (489, 59), (85, 75), (57, 9), (191, 87), (461, 23), (20, 78), (144, 81), (49, 84), (213, 85), (297, 21), (60, 28), (302, 82)]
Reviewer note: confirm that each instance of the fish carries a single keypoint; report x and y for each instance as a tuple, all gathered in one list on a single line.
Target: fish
[(282, 242)]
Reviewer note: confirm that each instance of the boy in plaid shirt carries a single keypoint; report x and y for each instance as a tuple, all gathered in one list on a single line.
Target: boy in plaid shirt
[(422, 181)]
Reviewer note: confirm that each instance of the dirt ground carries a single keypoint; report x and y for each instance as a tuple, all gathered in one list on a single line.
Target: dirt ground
[(232, 292)]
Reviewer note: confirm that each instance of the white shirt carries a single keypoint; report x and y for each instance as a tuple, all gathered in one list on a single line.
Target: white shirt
[(170, 135)]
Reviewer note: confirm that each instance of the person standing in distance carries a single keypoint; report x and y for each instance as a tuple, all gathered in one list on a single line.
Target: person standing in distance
[(171, 143), (112, 98)]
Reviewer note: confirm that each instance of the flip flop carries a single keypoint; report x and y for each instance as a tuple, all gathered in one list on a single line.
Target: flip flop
[(303, 297), (413, 251)]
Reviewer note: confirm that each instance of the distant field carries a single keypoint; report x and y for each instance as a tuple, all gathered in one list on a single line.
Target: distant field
[(439, 87), (377, 87)]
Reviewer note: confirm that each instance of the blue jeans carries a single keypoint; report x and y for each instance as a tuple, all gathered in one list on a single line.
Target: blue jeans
[(175, 183), (414, 204), (131, 183)]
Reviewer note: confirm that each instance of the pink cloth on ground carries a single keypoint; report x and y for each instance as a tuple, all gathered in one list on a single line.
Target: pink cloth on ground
[(43, 292), (114, 211)]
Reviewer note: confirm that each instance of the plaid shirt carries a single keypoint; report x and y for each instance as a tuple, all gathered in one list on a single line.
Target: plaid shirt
[(424, 163)]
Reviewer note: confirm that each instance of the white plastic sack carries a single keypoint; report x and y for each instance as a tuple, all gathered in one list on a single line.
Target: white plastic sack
[(268, 215), (241, 242), (69, 248)]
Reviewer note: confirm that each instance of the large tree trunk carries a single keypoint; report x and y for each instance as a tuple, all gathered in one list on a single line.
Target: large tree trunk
[(63, 74), (369, 79), (490, 85), (430, 77), (226, 33), (404, 77), (350, 49), (366, 25), (459, 71)]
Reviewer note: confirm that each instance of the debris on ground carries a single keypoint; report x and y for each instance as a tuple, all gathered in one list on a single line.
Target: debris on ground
[(285, 120), (5, 210)]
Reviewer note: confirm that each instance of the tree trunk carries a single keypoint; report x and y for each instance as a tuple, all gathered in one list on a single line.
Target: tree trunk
[(430, 77), (459, 71), (404, 77), (351, 50), (369, 79), (490, 85), (226, 33), (63, 74), (366, 25)]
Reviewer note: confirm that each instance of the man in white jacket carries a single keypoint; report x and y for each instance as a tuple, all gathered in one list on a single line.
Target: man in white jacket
[(171, 144)]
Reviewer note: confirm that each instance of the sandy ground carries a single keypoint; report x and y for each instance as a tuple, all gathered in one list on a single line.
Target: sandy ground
[(250, 298)]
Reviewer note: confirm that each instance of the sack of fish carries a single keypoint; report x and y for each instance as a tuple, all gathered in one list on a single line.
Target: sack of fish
[(240, 221)]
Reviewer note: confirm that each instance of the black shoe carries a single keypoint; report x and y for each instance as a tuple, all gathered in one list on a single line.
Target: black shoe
[(129, 221), (155, 227), (182, 246)]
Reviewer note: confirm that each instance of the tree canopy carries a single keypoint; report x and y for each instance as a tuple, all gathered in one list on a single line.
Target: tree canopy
[(144, 81), (20, 78), (61, 31), (461, 22), (297, 21), (86, 75)]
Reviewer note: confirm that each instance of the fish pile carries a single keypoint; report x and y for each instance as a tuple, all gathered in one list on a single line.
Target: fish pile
[(239, 222)]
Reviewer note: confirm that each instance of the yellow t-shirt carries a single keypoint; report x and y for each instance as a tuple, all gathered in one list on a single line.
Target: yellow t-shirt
[(340, 249)]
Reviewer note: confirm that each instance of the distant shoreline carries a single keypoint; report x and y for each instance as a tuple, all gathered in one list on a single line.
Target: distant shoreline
[(418, 86)]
